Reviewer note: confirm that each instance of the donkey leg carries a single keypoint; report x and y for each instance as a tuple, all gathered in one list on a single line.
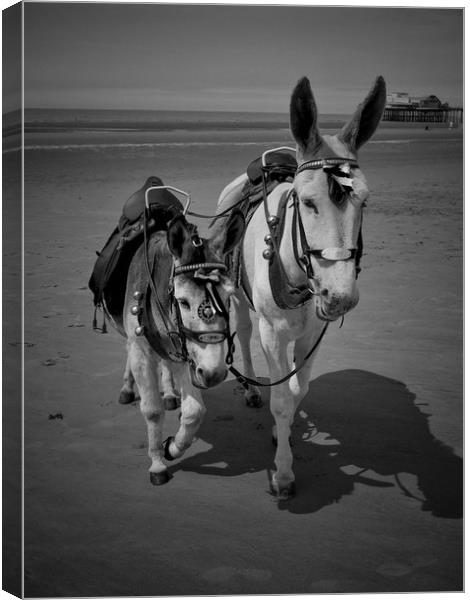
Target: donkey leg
[(144, 366), (282, 408), (171, 399), (192, 414), (244, 329), (127, 395), (298, 383)]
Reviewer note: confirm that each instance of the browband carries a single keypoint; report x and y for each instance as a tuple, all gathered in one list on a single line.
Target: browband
[(319, 163), (194, 267)]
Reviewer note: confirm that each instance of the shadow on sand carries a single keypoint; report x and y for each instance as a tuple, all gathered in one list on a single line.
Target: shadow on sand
[(354, 427)]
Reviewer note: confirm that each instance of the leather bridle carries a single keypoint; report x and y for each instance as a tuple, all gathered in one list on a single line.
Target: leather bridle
[(176, 331), (213, 302), (334, 166), (331, 254)]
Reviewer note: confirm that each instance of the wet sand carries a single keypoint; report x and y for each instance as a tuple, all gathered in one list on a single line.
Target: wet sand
[(377, 443)]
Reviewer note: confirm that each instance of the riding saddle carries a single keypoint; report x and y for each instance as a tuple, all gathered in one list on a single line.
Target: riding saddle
[(109, 277)]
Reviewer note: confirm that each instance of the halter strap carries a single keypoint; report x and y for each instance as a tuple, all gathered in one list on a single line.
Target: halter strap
[(319, 163)]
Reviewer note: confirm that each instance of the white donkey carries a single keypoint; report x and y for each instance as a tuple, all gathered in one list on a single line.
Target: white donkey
[(300, 257)]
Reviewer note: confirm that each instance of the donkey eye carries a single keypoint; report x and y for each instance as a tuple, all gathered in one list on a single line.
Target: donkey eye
[(311, 204), (183, 303), (337, 193)]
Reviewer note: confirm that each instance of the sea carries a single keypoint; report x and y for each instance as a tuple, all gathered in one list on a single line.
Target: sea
[(79, 128), (69, 129)]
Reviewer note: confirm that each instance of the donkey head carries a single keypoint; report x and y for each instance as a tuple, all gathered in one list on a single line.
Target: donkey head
[(202, 295), (330, 211)]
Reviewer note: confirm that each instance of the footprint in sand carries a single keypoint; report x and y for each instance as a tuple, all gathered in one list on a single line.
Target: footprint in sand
[(52, 314), (397, 569), (49, 362), (56, 416), (224, 418), (225, 574), (26, 344)]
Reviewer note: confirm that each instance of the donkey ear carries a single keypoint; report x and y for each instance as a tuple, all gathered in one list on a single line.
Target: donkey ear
[(365, 120), (177, 235), (229, 237), (303, 116)]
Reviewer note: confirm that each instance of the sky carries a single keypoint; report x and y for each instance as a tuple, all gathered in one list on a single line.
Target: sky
[(238, 58)]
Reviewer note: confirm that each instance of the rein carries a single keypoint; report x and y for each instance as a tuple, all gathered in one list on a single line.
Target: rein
[(245, 381)]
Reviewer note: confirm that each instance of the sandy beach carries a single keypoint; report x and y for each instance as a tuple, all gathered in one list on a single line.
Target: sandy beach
[(377, 442)]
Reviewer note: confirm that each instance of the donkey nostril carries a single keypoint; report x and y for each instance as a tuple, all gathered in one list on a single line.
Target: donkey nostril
[(324, 292)]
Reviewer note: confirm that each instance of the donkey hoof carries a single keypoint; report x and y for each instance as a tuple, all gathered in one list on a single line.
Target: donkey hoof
[(287, 492), (126, 397), (171, 402), (283, 492), (159, 478), (254, 401)]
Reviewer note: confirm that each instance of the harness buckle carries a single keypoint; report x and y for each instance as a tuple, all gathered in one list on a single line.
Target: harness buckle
[(242, 380)]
